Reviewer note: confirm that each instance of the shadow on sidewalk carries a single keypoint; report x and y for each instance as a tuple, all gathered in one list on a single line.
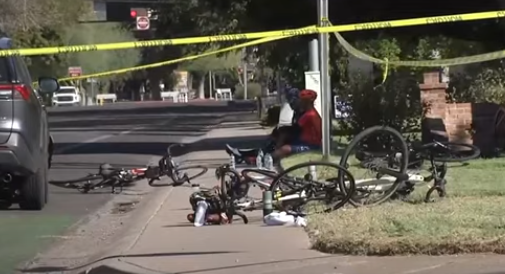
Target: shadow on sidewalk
[(154, 148), (47, 269)]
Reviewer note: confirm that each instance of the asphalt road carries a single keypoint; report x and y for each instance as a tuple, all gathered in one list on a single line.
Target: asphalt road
[(126, 135)]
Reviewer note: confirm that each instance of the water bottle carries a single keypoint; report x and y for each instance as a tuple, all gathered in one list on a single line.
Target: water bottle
[(201, 213), (232, 161), (269, 162), (259, 159), (313, 172)]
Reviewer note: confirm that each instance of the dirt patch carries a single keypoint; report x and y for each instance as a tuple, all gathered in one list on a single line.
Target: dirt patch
[(124, 207)]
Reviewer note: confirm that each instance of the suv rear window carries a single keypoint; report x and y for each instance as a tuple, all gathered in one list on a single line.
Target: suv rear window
[(4, 78), (4, 70)]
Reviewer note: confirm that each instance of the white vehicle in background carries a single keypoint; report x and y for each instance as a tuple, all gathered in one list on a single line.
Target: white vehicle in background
[(67, 96)]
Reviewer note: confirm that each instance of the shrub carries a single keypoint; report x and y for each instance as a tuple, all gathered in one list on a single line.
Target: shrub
[(396, 103), (253, 90)]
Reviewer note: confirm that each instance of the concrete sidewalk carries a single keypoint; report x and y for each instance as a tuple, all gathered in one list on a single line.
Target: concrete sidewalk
[(168, 243)]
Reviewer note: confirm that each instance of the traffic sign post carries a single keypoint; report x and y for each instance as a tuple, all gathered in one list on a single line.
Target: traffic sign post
[(74, 71), (143, 23)]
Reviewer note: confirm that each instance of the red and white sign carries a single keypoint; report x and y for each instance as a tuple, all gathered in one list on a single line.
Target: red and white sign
[(74, 71), (143, 23)]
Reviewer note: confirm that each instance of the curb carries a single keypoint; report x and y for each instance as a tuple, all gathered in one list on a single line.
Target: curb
[(127, 229), (135, 227), (140, 218), (110, 260)]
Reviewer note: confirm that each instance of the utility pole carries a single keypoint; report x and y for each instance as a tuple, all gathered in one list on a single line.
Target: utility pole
[(245, 79), (325, 78)]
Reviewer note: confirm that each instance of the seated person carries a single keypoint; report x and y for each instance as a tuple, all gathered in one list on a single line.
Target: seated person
[(287, 126), (310, 128), (282, 133)]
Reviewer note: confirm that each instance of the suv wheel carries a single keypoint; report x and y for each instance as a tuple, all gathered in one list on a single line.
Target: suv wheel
[(46, 186), (33, 191)]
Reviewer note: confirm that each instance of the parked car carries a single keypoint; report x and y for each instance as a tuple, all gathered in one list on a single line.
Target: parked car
[(25, 143), (66, 96)]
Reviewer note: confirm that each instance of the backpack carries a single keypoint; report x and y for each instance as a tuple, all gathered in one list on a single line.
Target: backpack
[(211, 196)]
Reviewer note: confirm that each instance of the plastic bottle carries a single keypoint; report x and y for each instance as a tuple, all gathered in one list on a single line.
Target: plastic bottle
[(269, 162), (201, 213), (259, 159), (232, 161)]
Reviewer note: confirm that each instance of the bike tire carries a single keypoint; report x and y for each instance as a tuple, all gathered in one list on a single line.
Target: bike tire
[(227, 193), (403, 163), (70, 184), (342, 173), (474, 152), (179, 181)]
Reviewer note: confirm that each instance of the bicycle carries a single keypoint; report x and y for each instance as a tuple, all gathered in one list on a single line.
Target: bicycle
[(399, 166), (107, 176), (168, 167), (290, 193)]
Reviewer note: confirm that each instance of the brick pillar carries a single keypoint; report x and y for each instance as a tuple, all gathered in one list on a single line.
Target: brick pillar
[(433, 95), (457, 117)]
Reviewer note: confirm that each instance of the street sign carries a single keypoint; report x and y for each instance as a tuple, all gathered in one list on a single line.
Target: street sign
[(143, 23), (74, 71)]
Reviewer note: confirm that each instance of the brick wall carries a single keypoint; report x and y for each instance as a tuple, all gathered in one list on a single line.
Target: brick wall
[(465, 122)]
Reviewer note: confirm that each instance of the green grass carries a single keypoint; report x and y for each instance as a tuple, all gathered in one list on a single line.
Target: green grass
[(470, 220)]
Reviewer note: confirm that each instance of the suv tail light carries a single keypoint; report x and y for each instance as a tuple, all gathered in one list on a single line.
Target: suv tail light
[(14, 92)]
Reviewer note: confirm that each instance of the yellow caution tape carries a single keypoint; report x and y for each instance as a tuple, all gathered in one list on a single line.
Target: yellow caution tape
[(421, 63), (256, 35), (187, 58)]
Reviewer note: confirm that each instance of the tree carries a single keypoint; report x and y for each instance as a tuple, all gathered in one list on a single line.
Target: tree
[(224, 64), (39, 23), (185, 18), (94, 62)]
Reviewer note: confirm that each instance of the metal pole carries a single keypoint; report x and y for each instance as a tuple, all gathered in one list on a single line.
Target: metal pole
[(92, 87), (325, 79), (314, 55), (210, 84), (245, 80)]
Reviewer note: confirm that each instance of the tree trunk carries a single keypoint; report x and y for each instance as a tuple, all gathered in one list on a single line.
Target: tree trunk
[(154, 84), (201, 87)]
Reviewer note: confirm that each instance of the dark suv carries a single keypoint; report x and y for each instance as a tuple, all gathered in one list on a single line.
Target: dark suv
[(25, 143)]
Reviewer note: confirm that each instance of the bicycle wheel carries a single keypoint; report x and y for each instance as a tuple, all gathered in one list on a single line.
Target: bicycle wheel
[(83, 184), (180, 175), (229, 179), (452, 152), (380, 154), (310, 188)]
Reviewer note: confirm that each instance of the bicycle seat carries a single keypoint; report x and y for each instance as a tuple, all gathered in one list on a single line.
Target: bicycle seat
[(241, 152)]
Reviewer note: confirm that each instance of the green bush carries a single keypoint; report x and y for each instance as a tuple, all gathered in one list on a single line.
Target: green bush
[(396, 103), (482, 84), (253, 90)]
